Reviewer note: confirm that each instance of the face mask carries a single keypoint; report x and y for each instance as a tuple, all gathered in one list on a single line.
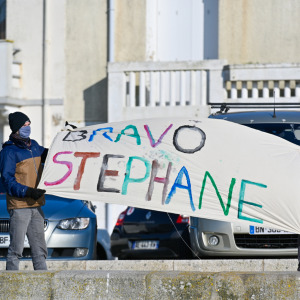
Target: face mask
[(25, 132)]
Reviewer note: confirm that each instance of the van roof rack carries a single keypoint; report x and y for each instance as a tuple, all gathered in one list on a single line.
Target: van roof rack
[(223, 106)]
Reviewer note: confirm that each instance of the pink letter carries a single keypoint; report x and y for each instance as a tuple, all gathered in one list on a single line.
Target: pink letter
[(67, 163), (150, 137)]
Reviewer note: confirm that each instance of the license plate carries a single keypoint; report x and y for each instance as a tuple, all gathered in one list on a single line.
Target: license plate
[(264, 230), (145, 245), (4, 241)]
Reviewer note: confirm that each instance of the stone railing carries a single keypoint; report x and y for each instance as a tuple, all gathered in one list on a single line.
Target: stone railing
[(158, 89), (190, 89), (262, 84)]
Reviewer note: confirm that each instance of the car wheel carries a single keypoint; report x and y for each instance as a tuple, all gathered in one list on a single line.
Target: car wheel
[(101, 254), (95, 247), (186, 251)]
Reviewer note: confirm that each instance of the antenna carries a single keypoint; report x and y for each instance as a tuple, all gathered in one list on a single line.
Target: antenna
[(274, 113)]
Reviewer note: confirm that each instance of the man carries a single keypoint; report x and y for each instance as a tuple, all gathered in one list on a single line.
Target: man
[(20, 167)]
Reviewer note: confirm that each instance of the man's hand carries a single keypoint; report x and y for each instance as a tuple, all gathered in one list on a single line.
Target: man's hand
[(35, 193)]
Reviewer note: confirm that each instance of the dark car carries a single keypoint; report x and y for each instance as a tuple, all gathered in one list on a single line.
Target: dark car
[(70, 230), (211, 238), (148, 234)]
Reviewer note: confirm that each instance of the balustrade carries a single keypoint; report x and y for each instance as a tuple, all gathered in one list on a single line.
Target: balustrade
[(189, 89)]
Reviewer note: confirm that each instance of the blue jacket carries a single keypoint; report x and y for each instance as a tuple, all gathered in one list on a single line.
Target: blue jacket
[(20, 168)]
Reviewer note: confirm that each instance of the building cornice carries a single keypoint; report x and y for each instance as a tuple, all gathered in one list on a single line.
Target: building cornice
[(29, 102)]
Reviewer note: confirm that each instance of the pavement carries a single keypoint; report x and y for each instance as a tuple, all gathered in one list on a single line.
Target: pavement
[(154, 279)]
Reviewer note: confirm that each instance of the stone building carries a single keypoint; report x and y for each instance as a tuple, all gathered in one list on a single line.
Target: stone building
[(54, 54)]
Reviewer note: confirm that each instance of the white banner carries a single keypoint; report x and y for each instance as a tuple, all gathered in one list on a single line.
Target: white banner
[(205, 168)]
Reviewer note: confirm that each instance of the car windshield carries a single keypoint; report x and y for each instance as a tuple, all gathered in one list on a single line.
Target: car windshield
[(287, 131)]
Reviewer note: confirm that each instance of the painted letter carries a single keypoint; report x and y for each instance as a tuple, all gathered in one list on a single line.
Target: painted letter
[(242, 201), (150, 137), (190, 151), (104, 172), (225, 209), (110, 129), (153, 179), (135, 134), (127, 178), (178, 184), (67, 163), (85, 156), (74, 135)]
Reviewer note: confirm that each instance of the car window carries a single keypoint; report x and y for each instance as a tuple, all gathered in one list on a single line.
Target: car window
[(287, 131)]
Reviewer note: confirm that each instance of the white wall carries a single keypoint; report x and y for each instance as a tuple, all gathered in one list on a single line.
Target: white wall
[(259, 31), (5, 68), (25, 30), (174, 30)]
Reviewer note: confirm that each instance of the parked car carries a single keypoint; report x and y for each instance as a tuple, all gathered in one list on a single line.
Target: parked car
[(70, 230), (147, 234), (103, 245), (211, 238)]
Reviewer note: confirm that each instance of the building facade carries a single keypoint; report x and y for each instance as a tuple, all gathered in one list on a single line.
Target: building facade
[(54, 55)]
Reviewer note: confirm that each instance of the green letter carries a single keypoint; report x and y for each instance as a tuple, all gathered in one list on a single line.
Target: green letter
[(127, 178), (242, 201), (225, 209), (135, 134)]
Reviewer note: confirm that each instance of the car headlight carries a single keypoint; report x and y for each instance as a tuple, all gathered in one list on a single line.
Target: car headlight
[(74, 223)]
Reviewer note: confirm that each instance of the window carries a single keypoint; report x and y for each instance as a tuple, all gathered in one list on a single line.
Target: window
[(2, 19), (287, 131)]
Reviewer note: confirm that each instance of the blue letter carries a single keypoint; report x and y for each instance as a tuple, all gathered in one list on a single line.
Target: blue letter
[(104, 134), (177, 184)]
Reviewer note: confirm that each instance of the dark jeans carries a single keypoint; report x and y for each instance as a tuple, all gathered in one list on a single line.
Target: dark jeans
[(30, 222)]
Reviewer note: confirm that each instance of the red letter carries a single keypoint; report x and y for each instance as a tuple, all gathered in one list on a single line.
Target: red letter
[(85, 156)]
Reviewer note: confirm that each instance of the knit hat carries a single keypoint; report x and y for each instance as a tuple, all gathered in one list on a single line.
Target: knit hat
[(17, 120)]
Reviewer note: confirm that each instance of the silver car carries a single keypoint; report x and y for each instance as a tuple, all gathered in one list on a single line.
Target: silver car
[(211, 238), (70, 230)]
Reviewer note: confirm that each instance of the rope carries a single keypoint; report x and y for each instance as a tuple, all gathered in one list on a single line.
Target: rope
[(182, 237)]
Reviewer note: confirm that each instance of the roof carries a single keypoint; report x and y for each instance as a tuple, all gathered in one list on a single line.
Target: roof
[(259, 117)]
